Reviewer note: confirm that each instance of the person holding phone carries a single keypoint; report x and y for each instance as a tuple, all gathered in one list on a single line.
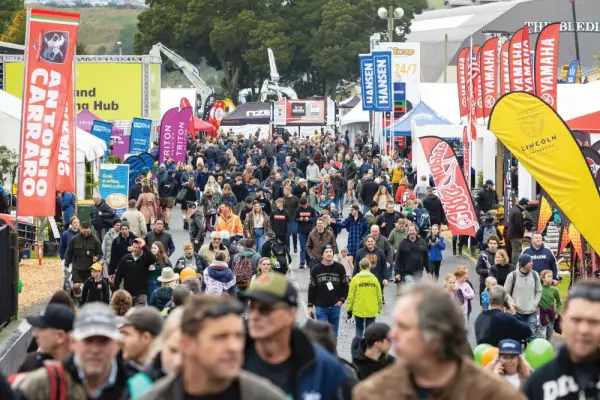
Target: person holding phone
[(510, 363)]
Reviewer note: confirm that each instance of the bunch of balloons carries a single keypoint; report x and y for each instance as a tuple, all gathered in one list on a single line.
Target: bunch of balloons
[(537, 353)]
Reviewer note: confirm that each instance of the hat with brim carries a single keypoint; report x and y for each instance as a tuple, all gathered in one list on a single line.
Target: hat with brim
[(95, 319), (271, 289), (168, 275), (55, 316)]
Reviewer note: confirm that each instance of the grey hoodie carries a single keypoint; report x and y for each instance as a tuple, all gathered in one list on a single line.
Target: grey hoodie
[(526, 290)]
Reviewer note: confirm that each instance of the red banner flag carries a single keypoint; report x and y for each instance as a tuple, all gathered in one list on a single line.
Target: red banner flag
[(461, 79), (527, 73), (50, 49), (489, 74), (451, 186), (466, 156), (472, 84), (546, 64), (477, 82), (65, 180), (515, 57), (505, 69)]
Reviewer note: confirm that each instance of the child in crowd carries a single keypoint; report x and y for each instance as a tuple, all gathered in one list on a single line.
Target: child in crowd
[(436, 246), (313, 199), (462, 277), (95, 287), (365, 298), (344, 259), (550, 306), (485, 295), (408, 209), (452, 289)]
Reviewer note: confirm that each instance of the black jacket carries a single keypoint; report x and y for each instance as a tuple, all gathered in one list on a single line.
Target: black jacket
[(168, 187), (118, 250), (379, 269), (197, 226), (500, 272), (95, 291), (434, 207), (491, 326), (484, 263), (240, 191), (516, 226), (486, 199), (306, 226), (318, 290), (298, 191), (559, 380), (135, 273), (81, 251), (280, 219), (368, 190), (104, 220), (364, 365), (389, 220), (480, 232), (135, 191), (412, 257)]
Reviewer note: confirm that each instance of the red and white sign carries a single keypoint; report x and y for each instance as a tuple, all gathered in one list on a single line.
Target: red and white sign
[(461, 78), (546, 64), (47, 88), (505, 69), (515, 56), (477, 82), (527, 73), (451, 186), (472, 79), (466, 155), (65, 180), (489, 74)]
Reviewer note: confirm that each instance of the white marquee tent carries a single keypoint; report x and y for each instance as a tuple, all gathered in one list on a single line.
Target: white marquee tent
[(89, 147)]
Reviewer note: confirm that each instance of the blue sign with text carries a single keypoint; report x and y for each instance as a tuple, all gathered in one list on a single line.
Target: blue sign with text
[(102, 130), (367, 81), (382, 62), (140, 136), (113, 183)]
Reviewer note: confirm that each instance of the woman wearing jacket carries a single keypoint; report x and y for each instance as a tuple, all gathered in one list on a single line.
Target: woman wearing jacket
[(501, 267), (436, 246), (255, 225), (399, 191), (146, 203), (214, 187), (228, 196)]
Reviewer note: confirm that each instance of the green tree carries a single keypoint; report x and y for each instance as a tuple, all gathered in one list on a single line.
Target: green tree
[(9, 160), (15, 29), (7, 10)]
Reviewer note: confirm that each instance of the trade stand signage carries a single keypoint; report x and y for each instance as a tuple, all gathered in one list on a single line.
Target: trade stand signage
[(140, 136), (367, 81), (114, 186), (382, 61), (102, 130)]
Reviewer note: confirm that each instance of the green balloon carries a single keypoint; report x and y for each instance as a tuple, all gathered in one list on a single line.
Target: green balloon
[(480, 350), (539, 352)]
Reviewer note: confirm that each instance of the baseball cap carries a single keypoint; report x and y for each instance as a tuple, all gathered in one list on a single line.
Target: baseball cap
[(374, 204), (524, 201), (144, 318), (96, 267), (524, 259), (509, 346), (95, 319), (55, 316), (489, 182), (271, 289), (376, 332)]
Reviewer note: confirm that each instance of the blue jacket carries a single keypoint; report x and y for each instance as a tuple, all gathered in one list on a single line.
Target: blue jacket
[(201, 180), (281, 158), (357, 230), (315, 373), (436, 251), (65, 239), (364, 168), (543, 259), (68, 206)]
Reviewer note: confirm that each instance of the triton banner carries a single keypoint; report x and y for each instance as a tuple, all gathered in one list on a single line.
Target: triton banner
[(173, 134), (48, 78), (451, 186), (546, 64), (543, 144)]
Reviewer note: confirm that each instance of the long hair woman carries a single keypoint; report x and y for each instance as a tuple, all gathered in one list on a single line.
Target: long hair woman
[(257, 222), (162, 261), (382, 197), (120, 302), (264, 267)]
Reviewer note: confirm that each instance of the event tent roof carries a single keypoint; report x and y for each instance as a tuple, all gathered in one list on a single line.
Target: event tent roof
[(422, 114), (350, 102), (249, 114), (356, 115)]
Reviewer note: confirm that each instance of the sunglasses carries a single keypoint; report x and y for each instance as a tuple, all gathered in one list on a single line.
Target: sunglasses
[(264, 309), (217, 239), (220, 310)]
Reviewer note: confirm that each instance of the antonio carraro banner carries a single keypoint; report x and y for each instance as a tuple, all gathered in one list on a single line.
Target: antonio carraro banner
[(65, 180), (541, 141), (47, 88), (376, 81), (140, 136), (451, 186)]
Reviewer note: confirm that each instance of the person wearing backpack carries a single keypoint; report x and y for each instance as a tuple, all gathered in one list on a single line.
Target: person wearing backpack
[(247, 257), (487, 259), (218, 279), (277, 252), (422, 219), (487, 229), (433, 205)]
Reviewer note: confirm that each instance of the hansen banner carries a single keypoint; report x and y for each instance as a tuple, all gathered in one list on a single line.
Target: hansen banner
[(376, 81), (173, 134), (451, 186), (367, 81), (546, 64), (47, 89), (541, 141)]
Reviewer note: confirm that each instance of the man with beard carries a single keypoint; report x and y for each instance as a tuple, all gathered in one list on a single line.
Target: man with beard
[(158, 234), (318, 238), (301, 189), (412, 258), (264, 203), (487, 197), (134, 271), (305, 218), (350, 174), (367, 191), (84, 250)]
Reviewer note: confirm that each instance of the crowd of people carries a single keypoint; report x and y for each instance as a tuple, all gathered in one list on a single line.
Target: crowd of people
[(220, 321)]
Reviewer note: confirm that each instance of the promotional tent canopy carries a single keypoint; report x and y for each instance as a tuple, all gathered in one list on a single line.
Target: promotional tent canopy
[(249, 114), (422, 114), (350, 102), (201, 126), (586, 123), (354, 116)]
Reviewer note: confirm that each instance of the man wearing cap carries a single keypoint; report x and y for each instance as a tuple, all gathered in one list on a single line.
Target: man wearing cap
[(525, 287), (134, 271), (291, 203), (317, 239), (370, 354), (93, 371), (367, 192), (264, 203), (516, 228), (510, 364), (51, 331), (84, 250), (121, 246), (141, 327), (212, 345), (487, 197), (279, 351)]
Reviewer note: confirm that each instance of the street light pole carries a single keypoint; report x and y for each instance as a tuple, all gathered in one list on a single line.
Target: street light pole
[(575, 30), (390, 24)]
